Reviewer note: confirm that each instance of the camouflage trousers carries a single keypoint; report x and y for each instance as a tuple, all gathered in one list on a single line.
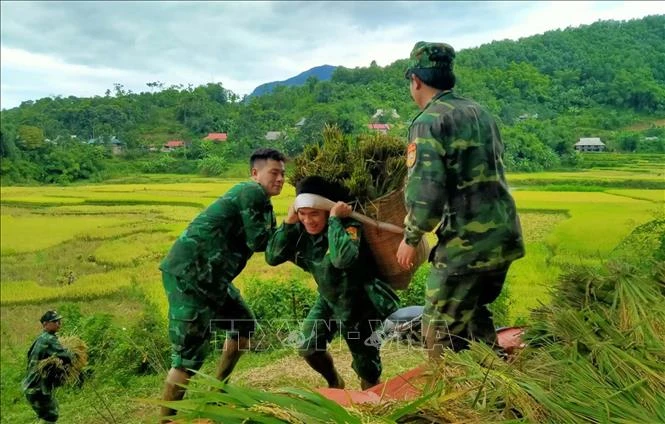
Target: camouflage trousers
[(192, 321), (320, 327), (456, 309), (45, 406)]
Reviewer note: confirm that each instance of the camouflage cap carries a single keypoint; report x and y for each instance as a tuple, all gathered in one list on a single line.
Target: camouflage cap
[(427, 55), (50, 316)]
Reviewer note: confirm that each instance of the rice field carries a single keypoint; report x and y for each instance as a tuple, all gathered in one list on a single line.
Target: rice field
[(125, 230), (92, 244)]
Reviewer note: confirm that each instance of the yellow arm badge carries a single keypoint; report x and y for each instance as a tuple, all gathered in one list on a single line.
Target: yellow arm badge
[(410, 155), (352, 232)]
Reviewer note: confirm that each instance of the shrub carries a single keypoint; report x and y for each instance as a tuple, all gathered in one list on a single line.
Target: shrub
[(119, 353), (275, 299), (279, 307), (212, 166), (415, 293)]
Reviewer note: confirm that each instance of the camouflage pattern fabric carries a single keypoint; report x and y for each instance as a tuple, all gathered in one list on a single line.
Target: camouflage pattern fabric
[(342, 266), (351, 297), (44, 346), (216, 245), (192, 322), (456, 308), (45, 406), (425, 55), (37, 389), (456, 182), (201, 265), (320, 328)]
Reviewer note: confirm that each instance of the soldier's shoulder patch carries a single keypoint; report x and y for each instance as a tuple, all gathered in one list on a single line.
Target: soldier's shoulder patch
[(411, 155), (352, 232)]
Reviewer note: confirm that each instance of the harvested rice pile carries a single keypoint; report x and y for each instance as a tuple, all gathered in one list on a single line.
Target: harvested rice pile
[(57, 371), (370, 165)]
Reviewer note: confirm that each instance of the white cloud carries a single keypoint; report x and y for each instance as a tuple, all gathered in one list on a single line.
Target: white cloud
[(83, 48)]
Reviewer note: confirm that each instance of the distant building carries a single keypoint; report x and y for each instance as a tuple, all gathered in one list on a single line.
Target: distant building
[(273, 135), (172, 145), (591, 144), (650, 138), (525, 116), (216, 137), (380, 112), (382, 128), (117, 146), (301, 122)]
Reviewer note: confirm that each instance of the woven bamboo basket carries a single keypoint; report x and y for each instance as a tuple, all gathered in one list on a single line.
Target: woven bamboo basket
[(391, 209)]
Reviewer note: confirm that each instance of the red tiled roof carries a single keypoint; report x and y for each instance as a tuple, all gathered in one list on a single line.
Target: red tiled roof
[(378, 126), (174, 143), (216, 136)]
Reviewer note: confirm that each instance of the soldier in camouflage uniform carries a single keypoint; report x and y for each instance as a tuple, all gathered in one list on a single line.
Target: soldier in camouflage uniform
[(351, 300), (200, 267), (456, 185), (38, 389)]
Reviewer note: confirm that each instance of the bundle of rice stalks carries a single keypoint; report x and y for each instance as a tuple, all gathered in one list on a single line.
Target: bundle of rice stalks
[(601, 342), (244, 404), (55, 370), (370, 166)]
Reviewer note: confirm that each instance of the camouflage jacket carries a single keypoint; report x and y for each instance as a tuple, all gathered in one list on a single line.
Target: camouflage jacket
[(45, 346), (216, 245), (456, 182), (342, 266)]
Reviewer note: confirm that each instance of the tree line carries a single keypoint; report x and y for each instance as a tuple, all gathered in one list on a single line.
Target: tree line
[(602, 80)]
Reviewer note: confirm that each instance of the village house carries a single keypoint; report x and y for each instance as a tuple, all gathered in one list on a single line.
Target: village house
[(216, 137), (590, 144), (117, 146), (273, 135), (380, 113), (525, 116), (382, 128), (171, 145)]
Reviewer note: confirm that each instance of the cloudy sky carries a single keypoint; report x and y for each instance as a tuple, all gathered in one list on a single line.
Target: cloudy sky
[(83, 48)]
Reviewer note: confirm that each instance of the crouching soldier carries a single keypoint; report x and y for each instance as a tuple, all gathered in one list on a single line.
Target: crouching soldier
[(351, 299), (38, 389)]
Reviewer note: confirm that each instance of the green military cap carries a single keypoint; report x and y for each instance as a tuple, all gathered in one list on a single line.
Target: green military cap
[(427, 55), (50, 316)]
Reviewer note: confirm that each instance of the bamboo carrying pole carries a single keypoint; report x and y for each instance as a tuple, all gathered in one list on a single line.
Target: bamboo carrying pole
[(309, 200)]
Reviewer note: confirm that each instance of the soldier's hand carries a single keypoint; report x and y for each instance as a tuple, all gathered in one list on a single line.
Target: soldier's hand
[(291, 215), (406, 255), (341, 210)]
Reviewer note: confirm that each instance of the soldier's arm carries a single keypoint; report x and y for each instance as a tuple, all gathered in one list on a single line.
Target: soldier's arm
[(425, 194), (54, 348), (343, 242), (282, 244), (258, 222)]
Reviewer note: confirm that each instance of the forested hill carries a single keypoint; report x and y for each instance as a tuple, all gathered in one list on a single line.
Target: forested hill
[(322, 73), (547, 91)]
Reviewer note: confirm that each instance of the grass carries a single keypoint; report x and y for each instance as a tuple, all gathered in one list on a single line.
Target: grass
[(598, 221), (87, 287), (33, 233)]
